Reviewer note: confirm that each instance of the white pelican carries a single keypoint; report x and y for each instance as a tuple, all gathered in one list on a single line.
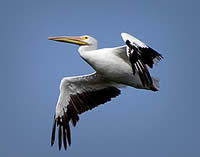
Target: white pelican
[(115, 67)]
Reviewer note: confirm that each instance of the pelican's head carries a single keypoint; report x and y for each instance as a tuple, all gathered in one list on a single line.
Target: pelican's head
[(85, 42)]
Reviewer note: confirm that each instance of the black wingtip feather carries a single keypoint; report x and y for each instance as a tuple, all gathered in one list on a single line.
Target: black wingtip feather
[(59, 136), (68, 134), (53, 132), (67, 127), (64, 138), (64, 122), (148, 55)]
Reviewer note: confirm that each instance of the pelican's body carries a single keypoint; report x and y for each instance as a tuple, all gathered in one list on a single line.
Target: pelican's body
[(114, 68), (106, 63)]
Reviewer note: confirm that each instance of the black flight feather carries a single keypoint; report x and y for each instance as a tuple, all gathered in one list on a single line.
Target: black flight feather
[(53, 131)]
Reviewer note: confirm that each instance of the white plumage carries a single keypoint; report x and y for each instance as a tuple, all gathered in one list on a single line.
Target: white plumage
[(115, 67)]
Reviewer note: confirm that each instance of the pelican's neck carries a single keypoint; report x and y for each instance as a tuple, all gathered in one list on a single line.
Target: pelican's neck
[(87, 48), (85, 52)]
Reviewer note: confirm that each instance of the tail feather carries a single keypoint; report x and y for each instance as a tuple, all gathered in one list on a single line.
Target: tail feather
[(155, 86)]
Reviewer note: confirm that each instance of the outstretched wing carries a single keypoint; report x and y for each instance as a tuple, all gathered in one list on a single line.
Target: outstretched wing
[(140, 55), (77, 95)]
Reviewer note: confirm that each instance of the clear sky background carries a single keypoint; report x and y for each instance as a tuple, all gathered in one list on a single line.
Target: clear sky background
[(138, 123)]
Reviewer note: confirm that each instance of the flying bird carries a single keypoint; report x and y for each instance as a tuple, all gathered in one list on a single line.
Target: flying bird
[(114, 68)]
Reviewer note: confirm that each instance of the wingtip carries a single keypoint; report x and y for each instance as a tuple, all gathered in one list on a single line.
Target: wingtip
[(53, 132), (59, 135), (68, 135), (155, 86)]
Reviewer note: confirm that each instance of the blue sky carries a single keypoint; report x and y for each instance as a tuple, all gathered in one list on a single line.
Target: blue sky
[(137, 123)]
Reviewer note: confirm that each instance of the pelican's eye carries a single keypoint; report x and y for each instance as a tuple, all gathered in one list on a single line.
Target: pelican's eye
[(84, 38)]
